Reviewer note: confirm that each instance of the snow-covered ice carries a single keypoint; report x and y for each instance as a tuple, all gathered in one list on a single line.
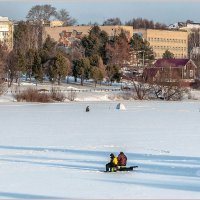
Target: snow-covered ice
[(59, 150)]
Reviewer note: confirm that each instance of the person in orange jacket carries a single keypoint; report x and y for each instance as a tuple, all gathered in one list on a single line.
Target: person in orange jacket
[(112, 164)]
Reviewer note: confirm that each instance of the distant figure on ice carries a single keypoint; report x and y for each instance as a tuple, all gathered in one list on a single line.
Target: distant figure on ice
[(87, 109), (122, 159), (112, 165)]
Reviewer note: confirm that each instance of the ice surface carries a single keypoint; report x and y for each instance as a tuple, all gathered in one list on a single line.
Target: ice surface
[(59, 150)]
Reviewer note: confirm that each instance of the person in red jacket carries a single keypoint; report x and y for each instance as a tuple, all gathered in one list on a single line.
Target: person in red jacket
[(122, 159)]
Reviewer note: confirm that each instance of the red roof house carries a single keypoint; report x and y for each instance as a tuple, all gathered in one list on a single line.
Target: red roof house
[(171, 70)]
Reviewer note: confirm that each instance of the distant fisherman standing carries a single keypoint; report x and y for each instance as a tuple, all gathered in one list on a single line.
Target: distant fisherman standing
[(87, 109)]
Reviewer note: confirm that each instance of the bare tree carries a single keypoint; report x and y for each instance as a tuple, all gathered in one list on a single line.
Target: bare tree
[(112, 22), (27, 36), (12, 67), (3, 55), (118, 50), (41, 13), (142, 90), (64, 16), (194, 48)]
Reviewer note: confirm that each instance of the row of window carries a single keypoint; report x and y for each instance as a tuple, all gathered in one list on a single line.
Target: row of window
[(170, 48), (167, 40), (4, 33), (4, 26), (159, 55)]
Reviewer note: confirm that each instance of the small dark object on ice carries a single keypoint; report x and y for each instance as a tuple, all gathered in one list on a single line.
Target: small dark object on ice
[(127, 168), (122, 169), (87, 109)]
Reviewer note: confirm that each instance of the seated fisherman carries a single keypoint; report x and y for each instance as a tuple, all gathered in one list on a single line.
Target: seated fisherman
[(122, 159), (113, 163)]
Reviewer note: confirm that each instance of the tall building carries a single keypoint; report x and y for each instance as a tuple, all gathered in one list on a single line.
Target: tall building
[(162, 40), (60, 34), (6, 32), (65, 36)]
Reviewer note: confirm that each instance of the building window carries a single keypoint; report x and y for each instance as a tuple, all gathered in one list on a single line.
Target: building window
[(191, 73)]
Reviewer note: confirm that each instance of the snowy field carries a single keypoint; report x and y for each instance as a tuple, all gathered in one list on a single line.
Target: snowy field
[(59, 150)]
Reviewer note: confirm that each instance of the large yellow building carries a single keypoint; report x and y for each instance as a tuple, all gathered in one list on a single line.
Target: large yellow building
[(57, 33), (6, 32), (162, 40)]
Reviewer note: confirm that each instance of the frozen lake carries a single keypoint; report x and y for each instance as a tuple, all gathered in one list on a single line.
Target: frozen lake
[(59, 150)]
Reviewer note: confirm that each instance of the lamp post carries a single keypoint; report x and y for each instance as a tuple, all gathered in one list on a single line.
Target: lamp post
[(8, 77), (143, 52)]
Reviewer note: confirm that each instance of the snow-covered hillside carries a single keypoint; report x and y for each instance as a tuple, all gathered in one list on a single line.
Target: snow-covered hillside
[(59, 150)]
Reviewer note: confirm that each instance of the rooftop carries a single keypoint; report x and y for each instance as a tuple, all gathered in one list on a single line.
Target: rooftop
[(4, 19), (173, 62)]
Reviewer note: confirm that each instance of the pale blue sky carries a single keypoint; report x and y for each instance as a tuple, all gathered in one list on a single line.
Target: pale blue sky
[(97, 10)]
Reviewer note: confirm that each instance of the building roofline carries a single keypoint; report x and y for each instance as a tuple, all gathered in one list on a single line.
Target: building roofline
[(172, 30)]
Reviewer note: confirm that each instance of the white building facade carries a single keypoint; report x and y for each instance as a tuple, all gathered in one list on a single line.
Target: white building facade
[(6, 32)]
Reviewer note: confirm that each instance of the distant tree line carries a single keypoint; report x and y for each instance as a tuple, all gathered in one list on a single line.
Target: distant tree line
[(136, 23), (47, 12), (145, 23)]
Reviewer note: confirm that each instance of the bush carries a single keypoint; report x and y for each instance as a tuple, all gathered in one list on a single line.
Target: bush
[(33, 95), (56, 95), (3, 88), (71, 96), (127, 95)]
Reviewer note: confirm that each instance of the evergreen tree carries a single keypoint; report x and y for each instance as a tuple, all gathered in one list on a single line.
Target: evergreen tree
[(62, 67), (37, 68), (48, 50), (142, 49), (113, 73), (98, 68), (95, 43), (82, 69), (168, 54), (30, 54)]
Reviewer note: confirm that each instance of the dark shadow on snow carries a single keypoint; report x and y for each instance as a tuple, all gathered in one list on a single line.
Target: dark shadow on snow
[(25, 196), (158, 184)]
